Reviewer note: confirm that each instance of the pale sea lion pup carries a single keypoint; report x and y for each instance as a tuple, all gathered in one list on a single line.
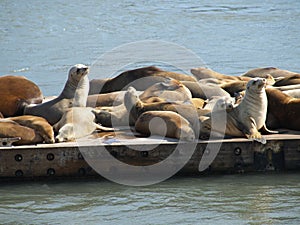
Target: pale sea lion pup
[(246, 119), (219, 103), (75, 123), (165, 123), (74, 94)]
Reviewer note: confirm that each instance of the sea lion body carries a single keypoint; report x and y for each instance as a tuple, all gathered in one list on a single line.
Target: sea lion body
[(107, 99), (262, 72), (165, 123), (204, 91), (171, 90), (74, 94), (247, 118), (140, 79), (39, 124), (75, 123), (11, 129), (16, 91), (283, 110)]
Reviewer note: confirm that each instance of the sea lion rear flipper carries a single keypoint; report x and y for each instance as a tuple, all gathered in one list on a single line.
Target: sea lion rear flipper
[(265, 130)]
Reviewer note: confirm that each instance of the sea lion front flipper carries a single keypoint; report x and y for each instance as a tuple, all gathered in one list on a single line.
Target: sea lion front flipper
[(265, 130), (102, 128), (252, 133)]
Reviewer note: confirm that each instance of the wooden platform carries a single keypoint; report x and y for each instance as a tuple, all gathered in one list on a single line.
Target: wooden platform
[(78, 159)]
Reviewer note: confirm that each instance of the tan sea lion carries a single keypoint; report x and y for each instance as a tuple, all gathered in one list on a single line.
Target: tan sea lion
[(273, 71), (11, 129), (166, 124), (136, 107), (203, 73), (219, 103), (16, 91), (288, 80), (74, 94), (283, 110), (170, 90), (107, 99), (75, 123), (293, 93), (204, 91), (38, 124), (140, 79), (247, 118)]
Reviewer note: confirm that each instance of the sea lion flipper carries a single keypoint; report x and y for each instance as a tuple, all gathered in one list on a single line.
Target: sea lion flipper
[(265, 130), (102, 128)]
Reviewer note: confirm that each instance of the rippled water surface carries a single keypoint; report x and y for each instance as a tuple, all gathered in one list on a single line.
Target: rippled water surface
[(42, 39), (230, 199)]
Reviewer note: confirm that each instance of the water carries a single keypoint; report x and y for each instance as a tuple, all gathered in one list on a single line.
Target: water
[(231, 199), (42, 39)]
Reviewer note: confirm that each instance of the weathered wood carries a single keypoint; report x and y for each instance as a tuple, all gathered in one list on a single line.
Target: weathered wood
[(65, 160)]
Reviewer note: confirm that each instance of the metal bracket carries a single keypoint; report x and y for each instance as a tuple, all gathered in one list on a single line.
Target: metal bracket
[(7, 142)]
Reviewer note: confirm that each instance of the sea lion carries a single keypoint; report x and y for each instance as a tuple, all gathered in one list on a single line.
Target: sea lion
[(247, 118), (283, 110), (204, 73), (16, 91), (11, 129), (107, 99), (262, 72), (293, 93), (288, 80), (166, 124), (77, 122), (74, 94), (140, 79), (114, 116), (219, 103), (171, 90), (136, 107), (38, 124), (204, 91)]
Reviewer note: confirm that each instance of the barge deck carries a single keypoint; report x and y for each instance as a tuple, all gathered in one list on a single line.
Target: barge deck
[(81, 159)]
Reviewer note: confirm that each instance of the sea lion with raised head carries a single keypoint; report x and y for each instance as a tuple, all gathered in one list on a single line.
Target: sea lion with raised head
[(247, 118), (74, 94)]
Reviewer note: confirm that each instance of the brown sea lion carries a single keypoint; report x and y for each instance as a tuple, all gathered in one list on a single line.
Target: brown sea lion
[(288, 80), (283, 110), (140, 79), (74, 94), (11, 129), (38, 124), (107, 99), (16, 91), (244, 120), (136, 107), (203, 73), (166, 124), (204, 91), (262, 72), (170, 90)]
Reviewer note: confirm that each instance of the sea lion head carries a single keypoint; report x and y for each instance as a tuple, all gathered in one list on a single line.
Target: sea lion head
[(256, 84), (78, 71)]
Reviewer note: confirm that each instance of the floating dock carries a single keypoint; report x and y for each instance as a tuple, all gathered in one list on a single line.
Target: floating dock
[(80, 159)]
